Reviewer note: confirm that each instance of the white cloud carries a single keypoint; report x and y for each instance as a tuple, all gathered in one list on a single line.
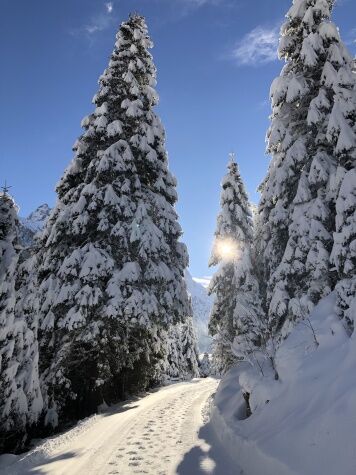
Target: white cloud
[(259, 46), (99, 22), (109, 7), (200, 3)]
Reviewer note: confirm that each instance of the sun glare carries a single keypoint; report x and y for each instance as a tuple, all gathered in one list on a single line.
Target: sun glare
[(226, 249)]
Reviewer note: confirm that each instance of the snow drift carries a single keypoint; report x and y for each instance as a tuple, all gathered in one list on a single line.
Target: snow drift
[(303, 424)]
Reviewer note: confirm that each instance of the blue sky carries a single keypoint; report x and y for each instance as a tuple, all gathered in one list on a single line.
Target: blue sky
[(215, 58)]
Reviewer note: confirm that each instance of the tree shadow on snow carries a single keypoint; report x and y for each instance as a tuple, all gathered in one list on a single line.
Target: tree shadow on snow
[(208, 457), (40, 467), (117, 409), (34, 463)]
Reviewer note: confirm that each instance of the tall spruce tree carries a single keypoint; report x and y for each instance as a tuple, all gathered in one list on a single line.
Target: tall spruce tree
[(297, 209), (344, 250), (189, 349), (236, 314), (180, 352), (342, 134), (20, 396), (111, 264)]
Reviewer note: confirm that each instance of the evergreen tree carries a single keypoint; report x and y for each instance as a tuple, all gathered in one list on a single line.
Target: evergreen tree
[(236, 313), (344, 251), (342, 134), (189, 351), (111, 264), (297, 209), (172, 364), (20, 396), (181, 352), (205, 366)]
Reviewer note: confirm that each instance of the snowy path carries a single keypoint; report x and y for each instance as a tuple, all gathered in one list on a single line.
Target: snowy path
[(166, 432)]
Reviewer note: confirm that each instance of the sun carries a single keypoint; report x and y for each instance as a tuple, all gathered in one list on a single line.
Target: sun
[(226, 249)]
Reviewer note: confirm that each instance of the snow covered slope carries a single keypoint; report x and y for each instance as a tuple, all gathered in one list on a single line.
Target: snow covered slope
[(33, 224), (303, 424), (201, 303)]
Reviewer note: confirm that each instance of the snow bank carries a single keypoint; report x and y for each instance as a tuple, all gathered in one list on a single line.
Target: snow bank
[(6, 460), (305, 423), (11, 464)]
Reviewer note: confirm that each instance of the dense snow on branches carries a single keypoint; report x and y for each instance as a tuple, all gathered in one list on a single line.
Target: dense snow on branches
[(312, 144), (111, 266), (236, 315), (101, 291), (94, 304), (20, 396)]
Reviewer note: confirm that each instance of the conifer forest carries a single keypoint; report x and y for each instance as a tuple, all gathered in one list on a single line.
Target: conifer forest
[(113, 358)]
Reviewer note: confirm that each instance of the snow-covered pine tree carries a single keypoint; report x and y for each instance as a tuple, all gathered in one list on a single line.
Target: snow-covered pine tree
[(297, 209), (344, 251), (236, 314), (20, 396), (111, 264), (171, 363), (189, 351), (342, 133), (181, 352), (205, 366)]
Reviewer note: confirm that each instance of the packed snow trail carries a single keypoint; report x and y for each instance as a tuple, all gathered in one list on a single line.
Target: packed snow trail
[(166, 432)]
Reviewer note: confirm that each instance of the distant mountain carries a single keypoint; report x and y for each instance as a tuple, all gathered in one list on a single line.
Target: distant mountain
[(202, 303), (33, 224)]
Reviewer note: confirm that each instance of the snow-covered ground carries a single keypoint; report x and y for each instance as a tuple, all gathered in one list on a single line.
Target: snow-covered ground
[(166, 432), (303, 424)]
